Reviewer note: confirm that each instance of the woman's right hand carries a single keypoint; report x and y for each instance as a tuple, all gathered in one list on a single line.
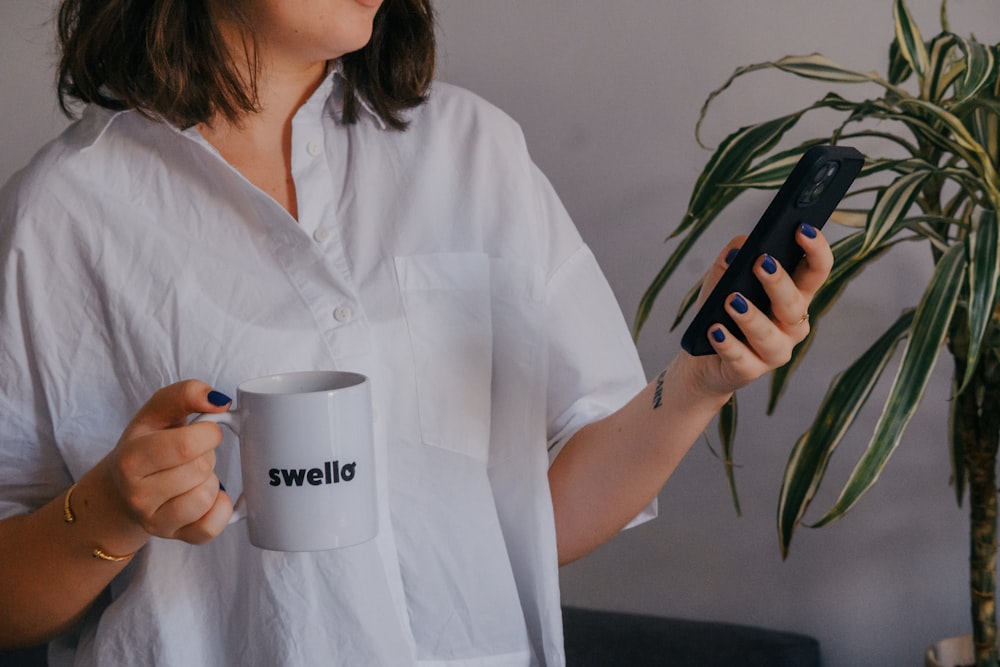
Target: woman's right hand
[(158, 480), (163, 469)]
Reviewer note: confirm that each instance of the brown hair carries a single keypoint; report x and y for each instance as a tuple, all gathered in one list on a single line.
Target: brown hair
[(167, 59)]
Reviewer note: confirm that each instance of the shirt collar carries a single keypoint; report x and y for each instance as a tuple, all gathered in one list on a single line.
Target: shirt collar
[(91, 126)]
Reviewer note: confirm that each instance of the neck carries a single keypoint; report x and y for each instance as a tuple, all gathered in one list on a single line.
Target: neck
[(281, 91), (280, 94), (259, 145)]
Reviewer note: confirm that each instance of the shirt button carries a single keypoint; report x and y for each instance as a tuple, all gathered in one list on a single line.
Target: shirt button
[(343, 314), (313, 148), (322, 235)]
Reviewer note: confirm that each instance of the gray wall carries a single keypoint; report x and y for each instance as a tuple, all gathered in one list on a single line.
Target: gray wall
[(608, 94)]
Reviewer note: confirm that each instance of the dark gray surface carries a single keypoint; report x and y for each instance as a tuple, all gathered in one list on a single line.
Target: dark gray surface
[(611, 639)]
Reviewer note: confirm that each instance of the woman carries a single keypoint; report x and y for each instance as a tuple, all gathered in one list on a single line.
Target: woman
[(266, 186)]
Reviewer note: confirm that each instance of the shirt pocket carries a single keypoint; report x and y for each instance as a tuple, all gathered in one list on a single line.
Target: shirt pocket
[(446, 301)]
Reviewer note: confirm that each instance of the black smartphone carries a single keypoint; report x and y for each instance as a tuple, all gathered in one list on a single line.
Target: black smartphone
[(809, 195)]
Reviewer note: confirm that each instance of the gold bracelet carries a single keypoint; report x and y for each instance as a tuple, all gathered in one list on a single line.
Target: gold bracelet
[(98, 553), (68, 515)]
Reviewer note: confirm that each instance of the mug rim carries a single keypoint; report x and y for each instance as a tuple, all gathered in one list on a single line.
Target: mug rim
[(316, 382)]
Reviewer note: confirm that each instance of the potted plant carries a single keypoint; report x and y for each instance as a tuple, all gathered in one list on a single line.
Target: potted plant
[(932, 136)]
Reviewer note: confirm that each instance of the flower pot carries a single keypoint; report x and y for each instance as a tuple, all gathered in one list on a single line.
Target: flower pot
[(951, 652)]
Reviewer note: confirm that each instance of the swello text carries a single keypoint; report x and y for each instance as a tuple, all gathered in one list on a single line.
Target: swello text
[(331, 473)]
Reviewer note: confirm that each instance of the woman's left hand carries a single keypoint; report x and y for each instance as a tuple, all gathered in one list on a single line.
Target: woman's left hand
[(770, 337), (631, 453)]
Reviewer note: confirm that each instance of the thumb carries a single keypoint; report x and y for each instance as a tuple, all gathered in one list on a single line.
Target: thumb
[(172, 405)]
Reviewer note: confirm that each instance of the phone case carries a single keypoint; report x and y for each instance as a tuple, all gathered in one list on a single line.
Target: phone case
[(809, 195)]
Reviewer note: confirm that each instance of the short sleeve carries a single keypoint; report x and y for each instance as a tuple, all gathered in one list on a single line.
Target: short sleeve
[(593, 366), (32, 471)]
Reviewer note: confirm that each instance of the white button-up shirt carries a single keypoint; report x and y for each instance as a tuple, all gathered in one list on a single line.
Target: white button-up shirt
[(437, 261)]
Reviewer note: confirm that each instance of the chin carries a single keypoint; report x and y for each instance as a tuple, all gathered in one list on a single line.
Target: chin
[(357, 44)]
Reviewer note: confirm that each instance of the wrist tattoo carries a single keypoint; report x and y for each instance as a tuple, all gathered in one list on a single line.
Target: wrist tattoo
[(658, 392)]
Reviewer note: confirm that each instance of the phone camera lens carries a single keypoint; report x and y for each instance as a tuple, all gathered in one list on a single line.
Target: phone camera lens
[(821, 178)]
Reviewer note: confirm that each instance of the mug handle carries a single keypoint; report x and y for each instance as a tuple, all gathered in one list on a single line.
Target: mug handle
[(231, 420)]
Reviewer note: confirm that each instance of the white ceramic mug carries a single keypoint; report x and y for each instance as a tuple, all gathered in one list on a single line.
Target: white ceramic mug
[(307, 456)]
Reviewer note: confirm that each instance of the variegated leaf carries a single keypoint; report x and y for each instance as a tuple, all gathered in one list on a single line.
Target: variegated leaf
[(847, 264), (891, 206), (689, 300), (965, 145), (841, 103), (942, 71), (655, 287), (928, 332), (727, 432), (814, 66), (984, 274), (847, 394), (911, 44), (979, 71), (820, 68), (899, 69), (772, 172), (730, 161), (935, 134), (875, 165), (985, 127), (854, 218), (710, 196)]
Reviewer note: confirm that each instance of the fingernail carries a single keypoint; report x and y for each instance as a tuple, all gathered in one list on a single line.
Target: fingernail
[(808, 230), (769, 265), (739, 304), (718, 335), (731, 255), (218, 399)]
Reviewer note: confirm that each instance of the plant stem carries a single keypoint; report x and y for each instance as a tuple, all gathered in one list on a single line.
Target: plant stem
[(978, 413)]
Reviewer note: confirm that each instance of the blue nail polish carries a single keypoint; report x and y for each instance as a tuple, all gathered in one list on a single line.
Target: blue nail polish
[(769, 265), (808, 230), (718, 335), (731, 255), (739, 304), (218, 399)]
